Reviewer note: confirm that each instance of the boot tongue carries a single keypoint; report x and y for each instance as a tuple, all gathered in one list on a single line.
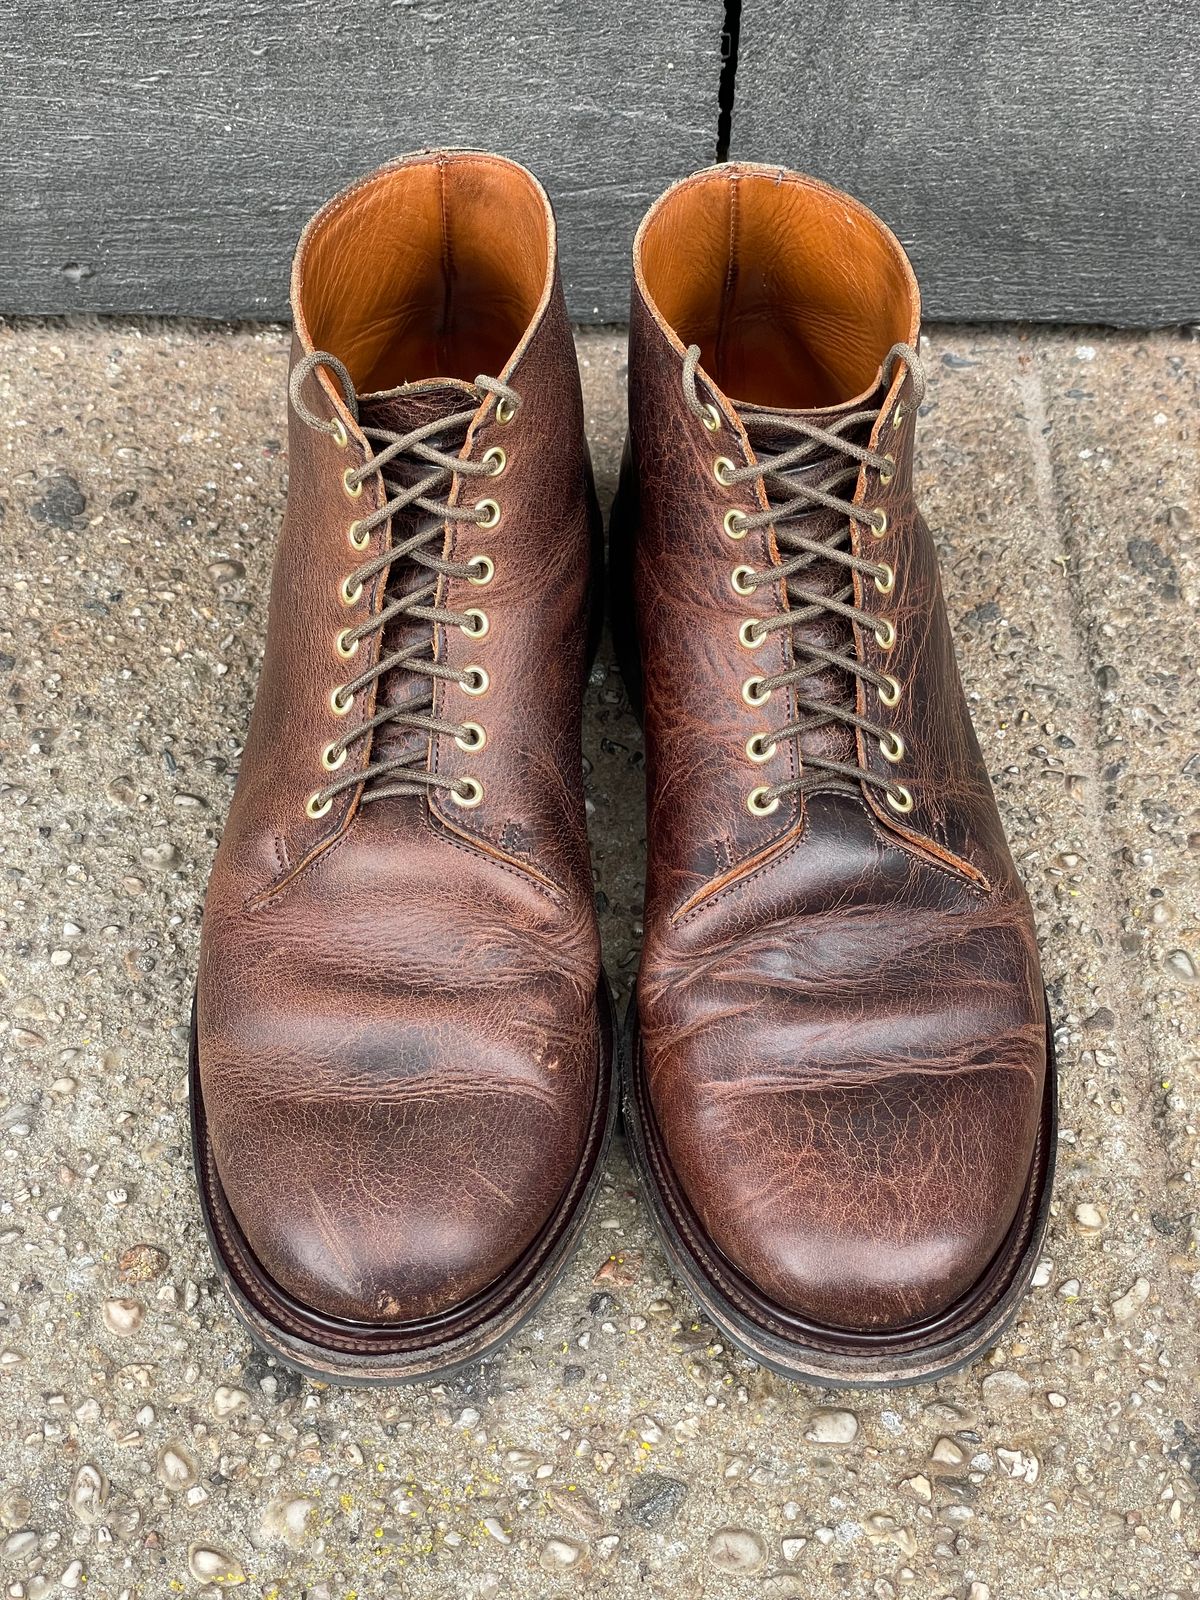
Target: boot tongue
[(400, 411), (835, 741), (414, 404)]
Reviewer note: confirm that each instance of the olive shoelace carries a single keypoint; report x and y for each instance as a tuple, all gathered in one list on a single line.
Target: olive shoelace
[(811, 474), (430, 450)]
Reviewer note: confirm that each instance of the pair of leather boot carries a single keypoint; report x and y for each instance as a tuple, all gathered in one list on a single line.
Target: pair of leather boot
[(838, 1086)]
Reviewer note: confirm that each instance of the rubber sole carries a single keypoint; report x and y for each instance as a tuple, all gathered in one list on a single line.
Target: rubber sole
[(333, 1350), (806, 1351)]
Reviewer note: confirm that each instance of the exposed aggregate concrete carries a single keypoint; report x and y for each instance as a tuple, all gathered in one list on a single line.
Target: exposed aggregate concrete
[(617, 1446)]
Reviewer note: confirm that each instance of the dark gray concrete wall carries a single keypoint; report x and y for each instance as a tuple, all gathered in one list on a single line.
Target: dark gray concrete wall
[(1038, 160), (162, 156)]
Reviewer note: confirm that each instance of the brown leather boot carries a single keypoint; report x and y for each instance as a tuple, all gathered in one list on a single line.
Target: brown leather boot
[(842, 1094), (402, 1058)]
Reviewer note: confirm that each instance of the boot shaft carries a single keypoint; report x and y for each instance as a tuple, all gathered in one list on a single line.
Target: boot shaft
[(416, 280), (805, 314), (793, 291)]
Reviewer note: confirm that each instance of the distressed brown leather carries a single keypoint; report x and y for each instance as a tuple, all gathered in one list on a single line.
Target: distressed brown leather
[(397, 1002), (841, 1015)]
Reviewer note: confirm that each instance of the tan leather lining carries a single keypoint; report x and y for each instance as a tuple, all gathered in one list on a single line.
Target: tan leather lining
[(794, 294), (432, 270)]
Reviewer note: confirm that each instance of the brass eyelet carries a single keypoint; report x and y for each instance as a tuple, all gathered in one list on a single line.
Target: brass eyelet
[(885, 579), (758, 803), (722, 470), (750, 634), (480, 623), (885, 634), (898, 415), (340, 437), (487, 513), (346, 646), (886, 477), (476, 740), (757, 751), (352, 489), (486, 570), (337, 705), (878, 523), (900, 799), (473, 795), (474, 680), (495, 461), (329, 760), (711, 417), (735, 524), (505, 410), (738, 580), (754, 694), (316, 808), (359, 540), (889, 691), (892, 747), (351, 595)]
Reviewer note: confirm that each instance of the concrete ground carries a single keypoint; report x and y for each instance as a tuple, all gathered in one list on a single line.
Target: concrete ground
[(617, 1447)]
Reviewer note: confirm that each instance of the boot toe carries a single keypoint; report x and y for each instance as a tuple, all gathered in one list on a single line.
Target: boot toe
[(396, 1199), (349, 1234), (865, 1207)]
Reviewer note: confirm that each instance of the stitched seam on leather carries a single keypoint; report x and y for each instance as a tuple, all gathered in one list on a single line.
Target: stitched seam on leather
[(276, 890), (447, 268), (375, 643), (779, 601), (927, 850), (779, 175), (477, 158), (480, 845), (782, 602), (730, 272), (490, 848), (974, 880), (553, 892), (692, 907), (329, 841), (352, 197), (478, 431), (340, 827), (707, 896), (920, 841)]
